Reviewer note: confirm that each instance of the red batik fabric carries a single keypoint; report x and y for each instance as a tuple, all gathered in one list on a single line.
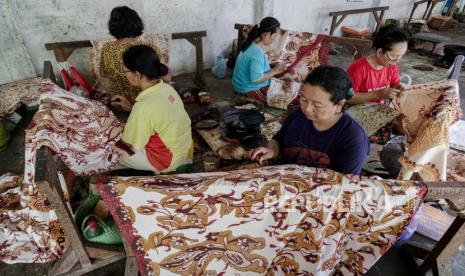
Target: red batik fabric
[(83, 132), (29, 228), (301, 52)]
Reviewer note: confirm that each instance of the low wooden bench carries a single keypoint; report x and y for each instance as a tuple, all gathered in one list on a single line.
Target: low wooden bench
[(63, 50), (343, 14), (430, 4)]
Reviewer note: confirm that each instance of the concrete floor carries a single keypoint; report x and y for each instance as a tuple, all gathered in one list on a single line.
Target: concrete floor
[(392, 263)]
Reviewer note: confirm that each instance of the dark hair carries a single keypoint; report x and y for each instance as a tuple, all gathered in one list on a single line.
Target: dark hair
[(144, 59), (333, 80), (268, 24), (125, 22), (387, 36)]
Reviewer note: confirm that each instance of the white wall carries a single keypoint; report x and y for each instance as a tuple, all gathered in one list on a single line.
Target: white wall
[(32, 23), (45, 21), (15, 63)]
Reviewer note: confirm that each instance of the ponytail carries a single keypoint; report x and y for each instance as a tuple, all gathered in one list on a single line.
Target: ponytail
[(144, 59), (268, 24)]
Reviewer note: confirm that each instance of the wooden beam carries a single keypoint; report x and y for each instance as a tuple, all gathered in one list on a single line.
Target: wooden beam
[(198, 80), (87, 43), (47, 72), (349, 41), (47, 182), (68, 44), (333, 25), (347, 12), (186, 35)]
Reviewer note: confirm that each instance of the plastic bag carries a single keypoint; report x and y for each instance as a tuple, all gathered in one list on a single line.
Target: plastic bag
[(281, 93)]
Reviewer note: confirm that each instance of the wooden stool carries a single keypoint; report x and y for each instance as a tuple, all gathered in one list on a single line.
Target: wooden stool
[(429, 37)]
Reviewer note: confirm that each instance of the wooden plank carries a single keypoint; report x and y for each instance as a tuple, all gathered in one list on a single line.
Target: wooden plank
[(356, 11), (100, 253), (189, 35), (98, 264), (47, 71), (445, 240), (364, 43), (131, 266), (333, 25), (47, 182), (197, 42), (68, 44), (65, 263), (87, 43)]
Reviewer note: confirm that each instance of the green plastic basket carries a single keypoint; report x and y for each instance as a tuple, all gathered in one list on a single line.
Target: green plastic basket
[(86, 207), (110, 234)]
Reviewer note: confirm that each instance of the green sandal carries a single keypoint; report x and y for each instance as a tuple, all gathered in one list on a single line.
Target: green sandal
[(109, 235)]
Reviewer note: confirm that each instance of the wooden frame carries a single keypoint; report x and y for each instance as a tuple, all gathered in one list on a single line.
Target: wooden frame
[(437, 259), (430, 4), (80, 257), (63, 50), (359, 44), (378, 17)]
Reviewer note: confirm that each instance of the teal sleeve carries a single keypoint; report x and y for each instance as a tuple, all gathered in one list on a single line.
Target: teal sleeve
[(257, 69)]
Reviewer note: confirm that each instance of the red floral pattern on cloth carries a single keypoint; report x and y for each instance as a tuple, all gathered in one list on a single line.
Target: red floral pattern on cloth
[(428, 110), (29, 228), (83, 132), (13, 94), (289, 219), (301, 52)]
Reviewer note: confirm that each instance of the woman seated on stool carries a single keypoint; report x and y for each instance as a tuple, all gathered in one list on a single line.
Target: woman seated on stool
[(252, 72), (158, 128), (376, 77), (320, 134), (127, 27)]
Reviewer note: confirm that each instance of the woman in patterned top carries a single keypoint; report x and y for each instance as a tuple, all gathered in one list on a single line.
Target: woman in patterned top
[(127, 27)]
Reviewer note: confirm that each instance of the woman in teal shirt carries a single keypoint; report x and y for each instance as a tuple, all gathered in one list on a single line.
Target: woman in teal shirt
[(252, 73)]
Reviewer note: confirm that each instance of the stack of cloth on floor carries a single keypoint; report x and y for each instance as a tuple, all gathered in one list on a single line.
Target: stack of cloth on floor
[(288, 219)]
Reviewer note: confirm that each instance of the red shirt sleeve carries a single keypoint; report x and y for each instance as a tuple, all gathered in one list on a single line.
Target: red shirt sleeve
[(395, 77), (354, 72)]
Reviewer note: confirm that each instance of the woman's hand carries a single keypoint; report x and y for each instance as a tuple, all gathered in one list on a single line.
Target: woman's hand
[(260, 154), (387, 93), (279, 68), (120, 101)]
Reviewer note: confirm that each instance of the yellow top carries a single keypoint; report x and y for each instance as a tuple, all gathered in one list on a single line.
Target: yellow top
[(159, 122), (110, 67)]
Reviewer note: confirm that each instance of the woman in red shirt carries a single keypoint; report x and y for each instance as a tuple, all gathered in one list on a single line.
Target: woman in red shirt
[(376, 77)]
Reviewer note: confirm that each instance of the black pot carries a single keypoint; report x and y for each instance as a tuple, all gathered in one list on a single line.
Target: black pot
[(453, 50), (239, 123)]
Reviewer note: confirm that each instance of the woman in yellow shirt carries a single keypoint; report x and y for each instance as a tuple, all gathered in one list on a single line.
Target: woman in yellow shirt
[(158, 128), (127, 27)]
